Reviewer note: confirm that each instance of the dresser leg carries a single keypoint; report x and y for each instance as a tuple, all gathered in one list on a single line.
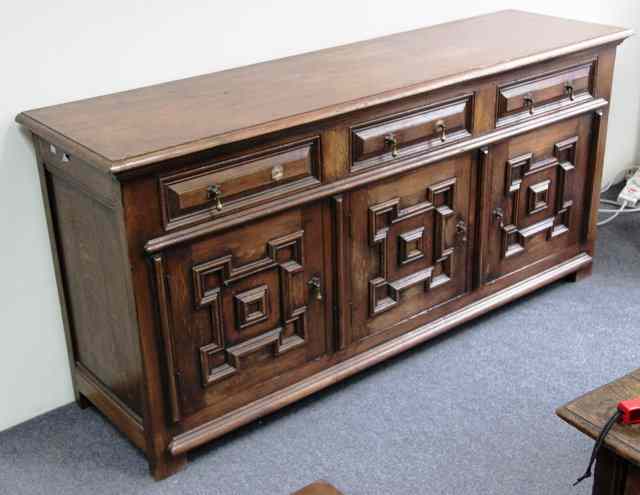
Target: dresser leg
[(610, 476), (167, 465), (82, 401), (581, 274)]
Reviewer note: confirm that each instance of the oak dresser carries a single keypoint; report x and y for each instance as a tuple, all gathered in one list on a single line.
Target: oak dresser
[(230, 243)]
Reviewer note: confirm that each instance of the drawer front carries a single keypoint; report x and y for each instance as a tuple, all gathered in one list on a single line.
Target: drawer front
[(538, 182), (411, 132), (227, 186), (243, 307), (521, 100), (409, 244)]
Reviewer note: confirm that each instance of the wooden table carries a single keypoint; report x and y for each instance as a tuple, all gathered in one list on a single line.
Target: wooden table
[(318, 488), (618, 463)]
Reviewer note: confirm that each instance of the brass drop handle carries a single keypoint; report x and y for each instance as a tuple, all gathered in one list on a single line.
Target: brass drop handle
[(570, 90), (528, 103), (315, 286), (498, 214), (461, 232), (391, 141), (441, 127), (214, 193)]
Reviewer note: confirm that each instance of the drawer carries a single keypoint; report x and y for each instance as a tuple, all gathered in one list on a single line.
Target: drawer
[(229, 185), (411, 132), (521, 100)]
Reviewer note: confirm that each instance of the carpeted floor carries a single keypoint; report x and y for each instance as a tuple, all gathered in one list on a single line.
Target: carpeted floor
[(472, 412)]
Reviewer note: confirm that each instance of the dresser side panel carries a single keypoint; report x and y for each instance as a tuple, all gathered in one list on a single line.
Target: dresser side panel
[(94, 268)]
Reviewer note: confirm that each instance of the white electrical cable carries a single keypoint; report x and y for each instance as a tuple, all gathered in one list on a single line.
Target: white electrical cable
[(621, 209), (615, 203), (612, 217), (626, 210)]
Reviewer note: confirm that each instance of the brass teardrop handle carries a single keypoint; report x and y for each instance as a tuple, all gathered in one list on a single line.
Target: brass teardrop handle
[(441, 128), (461, 232), (214, 193), (315, 286), (528, 103), (498, 214), (391, 141), (570, 90)]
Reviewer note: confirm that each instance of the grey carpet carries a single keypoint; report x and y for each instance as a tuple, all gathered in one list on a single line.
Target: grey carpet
[(471, 412)]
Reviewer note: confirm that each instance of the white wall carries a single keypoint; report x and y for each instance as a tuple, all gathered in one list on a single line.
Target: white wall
[(59, 51)]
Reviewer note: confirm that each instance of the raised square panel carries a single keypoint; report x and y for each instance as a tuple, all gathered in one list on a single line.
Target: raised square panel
[(538, 197), (252, 306), (411, 246)]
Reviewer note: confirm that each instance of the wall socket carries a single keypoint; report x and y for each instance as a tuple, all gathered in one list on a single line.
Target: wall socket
[(631, 191)]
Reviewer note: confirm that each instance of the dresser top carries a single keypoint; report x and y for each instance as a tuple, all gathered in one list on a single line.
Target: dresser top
[(130, 129)]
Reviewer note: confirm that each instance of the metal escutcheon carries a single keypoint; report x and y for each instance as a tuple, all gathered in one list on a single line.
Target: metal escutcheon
[(277, 173)]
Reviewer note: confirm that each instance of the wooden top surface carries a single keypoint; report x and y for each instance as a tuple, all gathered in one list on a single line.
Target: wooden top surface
[(590, 412), (318, 488), (133, 128)]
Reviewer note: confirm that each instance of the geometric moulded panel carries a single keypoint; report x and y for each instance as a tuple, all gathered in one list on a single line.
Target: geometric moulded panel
[(412, 245), (283, 255), (537, 198)]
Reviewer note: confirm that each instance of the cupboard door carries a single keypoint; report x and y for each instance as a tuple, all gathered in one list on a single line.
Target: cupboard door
[(538, 181), (409, 244), (242, 307)]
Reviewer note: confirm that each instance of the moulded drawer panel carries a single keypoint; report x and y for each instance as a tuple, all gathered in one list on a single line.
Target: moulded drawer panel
[(228, 185), (415, 131)]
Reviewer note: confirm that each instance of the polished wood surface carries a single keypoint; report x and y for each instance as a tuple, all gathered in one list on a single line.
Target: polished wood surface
[(153, 123), (318, 488), (204, 285), (618, 464)]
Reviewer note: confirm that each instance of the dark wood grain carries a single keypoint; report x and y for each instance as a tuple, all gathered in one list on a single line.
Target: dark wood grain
[(96, 276), (228, 244), (154, 123)]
